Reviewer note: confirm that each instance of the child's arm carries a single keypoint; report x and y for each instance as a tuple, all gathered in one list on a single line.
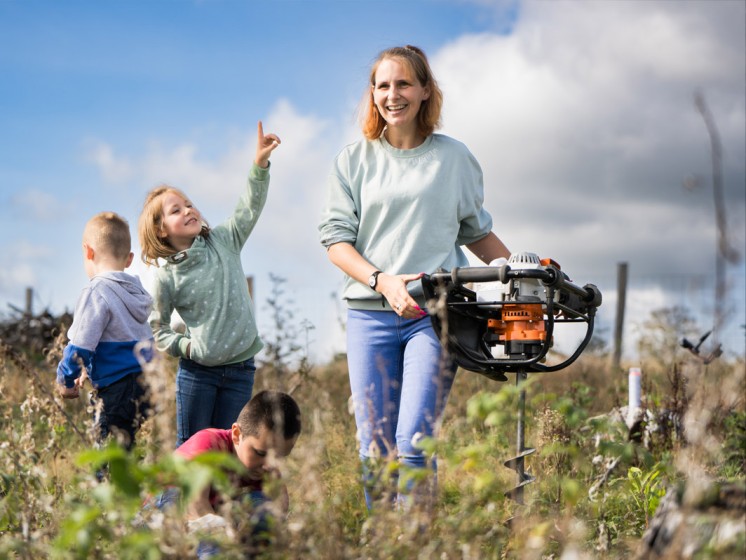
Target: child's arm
[(276, 490), (74, 391), (265, 145), (166, 339), (73, 370), (251, 202), (90, 318), (284, 500), (200, 505)]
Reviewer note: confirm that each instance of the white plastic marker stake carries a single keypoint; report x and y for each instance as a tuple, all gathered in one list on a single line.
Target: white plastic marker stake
[(635, 393)]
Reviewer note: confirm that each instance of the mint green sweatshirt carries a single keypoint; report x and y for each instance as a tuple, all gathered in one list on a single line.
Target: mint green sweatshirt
[(206, 284), (405, 211)]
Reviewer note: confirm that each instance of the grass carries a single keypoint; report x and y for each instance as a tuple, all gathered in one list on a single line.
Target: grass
[(51, 506)]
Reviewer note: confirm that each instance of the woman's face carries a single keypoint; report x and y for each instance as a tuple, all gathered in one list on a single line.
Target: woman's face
[(398, 94)]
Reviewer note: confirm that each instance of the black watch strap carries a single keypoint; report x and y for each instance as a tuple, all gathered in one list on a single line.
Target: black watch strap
[(373, 280)]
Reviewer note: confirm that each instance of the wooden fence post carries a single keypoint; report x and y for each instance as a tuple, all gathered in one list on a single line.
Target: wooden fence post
[(621, 290), (29, 309)]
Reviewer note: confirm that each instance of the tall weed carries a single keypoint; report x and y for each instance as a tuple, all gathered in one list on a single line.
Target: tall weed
[(594, 493)]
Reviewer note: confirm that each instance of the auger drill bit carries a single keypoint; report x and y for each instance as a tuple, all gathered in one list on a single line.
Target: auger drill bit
[(517, 463)]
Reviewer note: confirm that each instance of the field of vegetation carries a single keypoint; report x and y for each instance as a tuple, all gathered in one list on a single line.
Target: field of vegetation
[(596, 492)]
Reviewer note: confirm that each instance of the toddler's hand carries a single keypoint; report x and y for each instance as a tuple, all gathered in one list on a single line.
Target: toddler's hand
[(210, 524), (80, 381), (265, 145), (68, 392)]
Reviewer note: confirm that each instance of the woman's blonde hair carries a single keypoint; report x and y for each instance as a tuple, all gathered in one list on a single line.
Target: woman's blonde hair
[(428, 117), (153, 244)]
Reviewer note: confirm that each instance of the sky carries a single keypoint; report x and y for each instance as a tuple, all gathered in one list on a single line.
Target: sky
[(581, 114)]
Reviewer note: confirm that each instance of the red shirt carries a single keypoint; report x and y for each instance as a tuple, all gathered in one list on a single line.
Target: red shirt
[(211, 439), (214, 439)]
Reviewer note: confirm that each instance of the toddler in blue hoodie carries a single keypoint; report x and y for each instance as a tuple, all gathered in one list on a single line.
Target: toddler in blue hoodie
[(110, 335)]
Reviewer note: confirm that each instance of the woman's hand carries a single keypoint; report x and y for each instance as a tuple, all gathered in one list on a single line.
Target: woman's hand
[(394, 289), (265, 145)]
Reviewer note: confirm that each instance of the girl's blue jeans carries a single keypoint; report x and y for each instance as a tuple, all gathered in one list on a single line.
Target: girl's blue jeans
[(400, 383), (210, 396)]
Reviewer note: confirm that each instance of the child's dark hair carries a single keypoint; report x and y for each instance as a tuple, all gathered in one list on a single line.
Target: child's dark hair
[(273, 410)]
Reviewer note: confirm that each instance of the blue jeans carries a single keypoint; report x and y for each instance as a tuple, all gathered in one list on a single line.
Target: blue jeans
[(400, 384), (210, 396)]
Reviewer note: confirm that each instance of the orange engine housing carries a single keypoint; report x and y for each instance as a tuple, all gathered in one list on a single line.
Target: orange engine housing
[(520, 322)]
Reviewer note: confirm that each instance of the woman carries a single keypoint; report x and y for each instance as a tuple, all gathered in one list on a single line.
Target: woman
[(400, 203)]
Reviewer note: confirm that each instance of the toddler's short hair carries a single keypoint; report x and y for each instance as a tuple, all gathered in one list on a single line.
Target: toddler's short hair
[(109, 233)]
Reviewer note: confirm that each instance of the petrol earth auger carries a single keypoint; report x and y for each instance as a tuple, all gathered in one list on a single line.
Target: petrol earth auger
[(504, 322)]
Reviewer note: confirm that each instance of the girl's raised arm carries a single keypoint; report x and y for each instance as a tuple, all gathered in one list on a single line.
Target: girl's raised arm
[(265, 145)]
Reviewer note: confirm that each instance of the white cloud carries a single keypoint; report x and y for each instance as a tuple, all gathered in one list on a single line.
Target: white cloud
[(284, 242), (582, 119), (298, 176), (299, 169), (114, 169), (584, 123)]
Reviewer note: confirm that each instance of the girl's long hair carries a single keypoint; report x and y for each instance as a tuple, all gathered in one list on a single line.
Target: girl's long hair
[(150, 225), (428, 117)]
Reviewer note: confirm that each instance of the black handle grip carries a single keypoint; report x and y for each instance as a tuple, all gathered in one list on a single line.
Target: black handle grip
[(480, 274), (492, 274), (466, 275), (548, 275)]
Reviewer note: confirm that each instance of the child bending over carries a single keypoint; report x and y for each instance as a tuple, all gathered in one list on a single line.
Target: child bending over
[(266, 429)]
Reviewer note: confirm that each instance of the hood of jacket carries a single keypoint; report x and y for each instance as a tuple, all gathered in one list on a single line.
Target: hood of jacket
[(129, 290)]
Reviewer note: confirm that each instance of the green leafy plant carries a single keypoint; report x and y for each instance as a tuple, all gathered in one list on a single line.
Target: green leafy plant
[(646, 489), (595, 490), (734, 445)]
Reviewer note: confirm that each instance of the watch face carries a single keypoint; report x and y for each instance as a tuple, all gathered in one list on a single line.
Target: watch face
[(373, 280)]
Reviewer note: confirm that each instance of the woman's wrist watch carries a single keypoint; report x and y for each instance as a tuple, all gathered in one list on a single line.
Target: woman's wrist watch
[(373, 280)]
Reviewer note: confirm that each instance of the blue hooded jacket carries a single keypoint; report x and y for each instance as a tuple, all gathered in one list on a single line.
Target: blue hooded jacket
[(110, 320)]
